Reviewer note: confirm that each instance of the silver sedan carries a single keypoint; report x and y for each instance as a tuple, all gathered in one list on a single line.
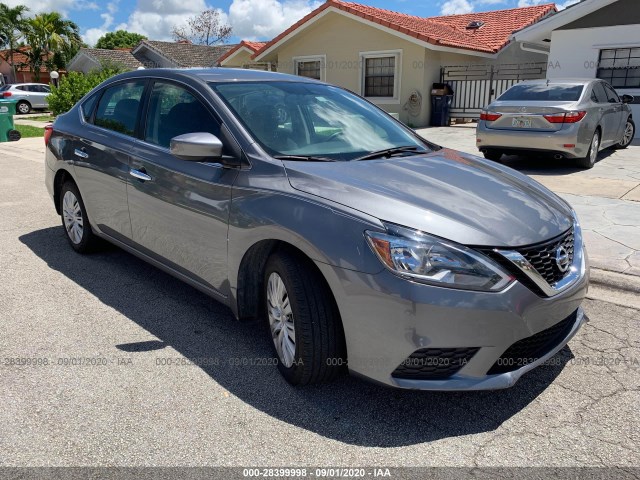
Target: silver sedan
[(572, 119)]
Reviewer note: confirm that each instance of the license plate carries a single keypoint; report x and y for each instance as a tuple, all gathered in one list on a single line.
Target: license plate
[(521, 123)]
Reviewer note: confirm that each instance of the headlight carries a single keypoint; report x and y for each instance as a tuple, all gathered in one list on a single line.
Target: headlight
[(431, 260)]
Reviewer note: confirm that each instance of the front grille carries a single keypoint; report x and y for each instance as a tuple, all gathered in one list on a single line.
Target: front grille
[(530, 349), (543, 256), (434, 363)]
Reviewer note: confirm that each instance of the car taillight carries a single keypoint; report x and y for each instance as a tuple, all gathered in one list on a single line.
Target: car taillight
[(568, 117), (48, 131), (6, 94), (490, 116)]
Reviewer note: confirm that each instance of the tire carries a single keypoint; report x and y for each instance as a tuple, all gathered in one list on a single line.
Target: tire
[(307, 309), (628, 134), (592, 155), (23, 107), (492, 155), (75, 221)]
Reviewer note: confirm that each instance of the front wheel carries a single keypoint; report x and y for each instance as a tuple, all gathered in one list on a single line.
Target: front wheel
[(628, 134), (592, 155), (304, 322), (75, 220)]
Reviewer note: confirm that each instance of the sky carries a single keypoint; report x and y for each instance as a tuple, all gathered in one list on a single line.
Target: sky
[(250, 19)]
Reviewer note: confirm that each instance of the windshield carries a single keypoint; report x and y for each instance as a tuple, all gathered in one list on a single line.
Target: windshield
[(314, 120), (543, 93)]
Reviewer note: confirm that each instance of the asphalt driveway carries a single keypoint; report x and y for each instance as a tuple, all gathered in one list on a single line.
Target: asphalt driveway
[(105, 360)]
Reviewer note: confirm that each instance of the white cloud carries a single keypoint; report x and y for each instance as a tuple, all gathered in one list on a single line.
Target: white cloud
[(564, 5), (265, 19), (530, 3), (92, 35), (455, 7), (62, 6)]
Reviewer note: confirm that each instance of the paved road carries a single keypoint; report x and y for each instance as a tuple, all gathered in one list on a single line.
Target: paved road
[(121, 407), (607, 197)]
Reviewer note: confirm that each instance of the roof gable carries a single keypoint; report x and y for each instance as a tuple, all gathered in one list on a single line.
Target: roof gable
[(249, 46), (447, 31), (101, 56), (185, 54)]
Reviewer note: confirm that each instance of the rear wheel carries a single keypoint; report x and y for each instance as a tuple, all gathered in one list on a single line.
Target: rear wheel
[(75, 221), (304, 323), (592, 155), (492, 155), (627, 135), (23, 107)]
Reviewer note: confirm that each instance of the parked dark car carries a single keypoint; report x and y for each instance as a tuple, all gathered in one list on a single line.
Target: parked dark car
[(362, 245)]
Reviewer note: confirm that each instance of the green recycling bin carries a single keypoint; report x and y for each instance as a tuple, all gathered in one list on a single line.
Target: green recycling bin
[(8, 133)]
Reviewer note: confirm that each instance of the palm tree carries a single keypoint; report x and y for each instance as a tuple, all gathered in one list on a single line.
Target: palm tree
[(12, 24), (51, 39)]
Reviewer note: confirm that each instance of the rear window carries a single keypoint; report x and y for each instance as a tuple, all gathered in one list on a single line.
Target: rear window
[(543, 93), (4, 87)]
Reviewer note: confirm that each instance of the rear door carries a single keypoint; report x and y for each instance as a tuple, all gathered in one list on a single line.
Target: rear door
[(180, 209), (101, 155)]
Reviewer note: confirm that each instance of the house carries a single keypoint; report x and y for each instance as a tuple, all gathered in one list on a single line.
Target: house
[(392, 58), (23, 72), (88, 59), (150, 54), (240, 56), (592, 39)]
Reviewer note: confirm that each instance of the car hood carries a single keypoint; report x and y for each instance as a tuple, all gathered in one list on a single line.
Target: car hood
[(446, 193)]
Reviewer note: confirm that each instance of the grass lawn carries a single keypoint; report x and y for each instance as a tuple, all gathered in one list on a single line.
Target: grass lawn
[(40, 118), (28, 131)]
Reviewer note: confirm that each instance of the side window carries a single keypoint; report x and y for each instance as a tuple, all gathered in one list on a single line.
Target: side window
[(594, 97), (612, 96), (44, 89), (119, 106), (21, 87), (87, 107), (601, 94), (174, 111)]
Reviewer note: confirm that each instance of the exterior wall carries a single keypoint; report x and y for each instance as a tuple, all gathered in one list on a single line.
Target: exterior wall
[(577, 53), (342, 40), (151, 59)]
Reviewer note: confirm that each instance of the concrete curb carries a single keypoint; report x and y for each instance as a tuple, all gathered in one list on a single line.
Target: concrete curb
[(616, 281)]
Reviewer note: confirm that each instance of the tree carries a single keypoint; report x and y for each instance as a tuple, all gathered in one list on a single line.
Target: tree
[(206, 28), (76, 85), (12, 23), (119, 39), (51, 40)]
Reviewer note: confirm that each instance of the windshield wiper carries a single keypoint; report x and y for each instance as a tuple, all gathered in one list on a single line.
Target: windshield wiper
[(309, 158), (388, 152)]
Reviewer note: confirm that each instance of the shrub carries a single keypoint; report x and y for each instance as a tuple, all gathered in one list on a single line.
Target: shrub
[(74, 86)]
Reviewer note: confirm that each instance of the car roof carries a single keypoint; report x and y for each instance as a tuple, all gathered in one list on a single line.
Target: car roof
[(219, 74), (561, 81)]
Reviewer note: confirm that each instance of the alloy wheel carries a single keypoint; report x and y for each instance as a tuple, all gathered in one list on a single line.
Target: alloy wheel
[(72, 214), (23, 108), (281, 319), (627, 137), (595, 147)]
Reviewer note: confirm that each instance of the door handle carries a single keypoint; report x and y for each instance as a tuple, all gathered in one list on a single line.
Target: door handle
[(81, 152), (140, 175)]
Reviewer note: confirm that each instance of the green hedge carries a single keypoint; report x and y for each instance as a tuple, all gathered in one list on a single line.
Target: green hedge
[(76, 85)]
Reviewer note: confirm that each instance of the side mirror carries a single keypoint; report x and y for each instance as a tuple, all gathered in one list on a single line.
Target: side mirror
[(196, 147), (628, 98)]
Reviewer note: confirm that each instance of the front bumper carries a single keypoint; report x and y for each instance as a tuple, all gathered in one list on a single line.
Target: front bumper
[(519, 141), (386, 319)]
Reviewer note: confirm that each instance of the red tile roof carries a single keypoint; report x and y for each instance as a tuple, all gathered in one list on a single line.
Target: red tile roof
[(447, 31), (253, 46), (20, 60)]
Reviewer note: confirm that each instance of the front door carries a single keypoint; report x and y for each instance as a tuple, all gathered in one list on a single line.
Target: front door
[(180, 209), (608, 113)]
